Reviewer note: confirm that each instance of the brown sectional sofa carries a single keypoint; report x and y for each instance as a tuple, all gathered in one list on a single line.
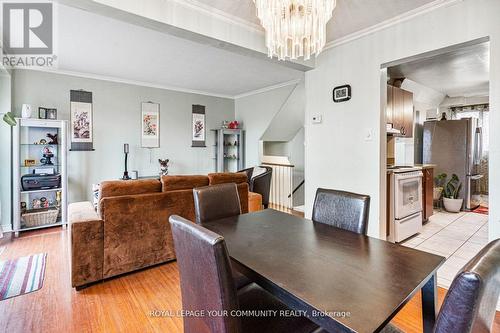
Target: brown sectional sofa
[(130, 228)]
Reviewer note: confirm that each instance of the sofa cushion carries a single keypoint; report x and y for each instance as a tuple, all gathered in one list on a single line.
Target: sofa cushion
[(254, 202), (115, 188), (175, 183), (227, 177)]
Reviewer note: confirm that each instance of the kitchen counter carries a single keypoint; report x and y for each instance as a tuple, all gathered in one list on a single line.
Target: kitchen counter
[(425, 166), (417, 166)]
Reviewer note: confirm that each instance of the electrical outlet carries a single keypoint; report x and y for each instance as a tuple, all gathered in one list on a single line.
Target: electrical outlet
[(317, 119), (369, 135)]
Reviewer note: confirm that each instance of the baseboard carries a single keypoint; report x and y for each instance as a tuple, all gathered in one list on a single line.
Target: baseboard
[(6, 228)]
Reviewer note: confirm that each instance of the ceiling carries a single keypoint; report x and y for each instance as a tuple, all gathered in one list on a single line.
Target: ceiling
[(348, 17), (94, 44), (462, 72), (101, 44)]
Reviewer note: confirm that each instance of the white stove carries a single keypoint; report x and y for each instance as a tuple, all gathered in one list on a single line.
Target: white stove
[(405, 202)]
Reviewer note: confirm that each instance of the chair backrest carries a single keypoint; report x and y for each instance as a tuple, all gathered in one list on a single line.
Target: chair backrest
[(262, 184), (216, 202), (342, 209), (206, 280), (470, 304), (248, 172)]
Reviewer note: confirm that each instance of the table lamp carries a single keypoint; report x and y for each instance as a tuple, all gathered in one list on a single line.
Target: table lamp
[(125, 151)]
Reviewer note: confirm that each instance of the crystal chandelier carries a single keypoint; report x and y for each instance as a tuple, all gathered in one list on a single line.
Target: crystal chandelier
[(294, 28)]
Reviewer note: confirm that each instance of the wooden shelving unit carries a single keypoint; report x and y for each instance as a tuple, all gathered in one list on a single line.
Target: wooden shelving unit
[(26, 146)]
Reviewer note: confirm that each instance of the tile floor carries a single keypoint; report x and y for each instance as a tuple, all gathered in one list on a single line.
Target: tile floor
[(458, 237)]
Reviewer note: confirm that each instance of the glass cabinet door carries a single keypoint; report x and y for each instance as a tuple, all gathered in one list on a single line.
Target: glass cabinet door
[(229, 152)]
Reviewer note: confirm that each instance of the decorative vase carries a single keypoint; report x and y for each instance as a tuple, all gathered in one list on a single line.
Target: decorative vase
[(453, 205), (26, 111)]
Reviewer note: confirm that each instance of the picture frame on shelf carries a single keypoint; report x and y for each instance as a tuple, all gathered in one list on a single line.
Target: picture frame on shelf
[(42, 112), (51, 114)]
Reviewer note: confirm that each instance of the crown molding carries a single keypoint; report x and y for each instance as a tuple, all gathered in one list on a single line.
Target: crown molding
[(269, 88), (125, 81), (158, 86), (431, 6), (221, 15)]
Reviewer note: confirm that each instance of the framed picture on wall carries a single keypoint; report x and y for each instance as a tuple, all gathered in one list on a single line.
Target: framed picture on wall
[(81, 119), (81, 122), (150, 125), (198, 126)]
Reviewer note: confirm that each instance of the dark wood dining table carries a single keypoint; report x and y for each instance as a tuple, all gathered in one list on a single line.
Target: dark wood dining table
[(342, 281)]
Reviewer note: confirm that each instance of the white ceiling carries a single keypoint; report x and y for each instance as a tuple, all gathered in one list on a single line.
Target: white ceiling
[(463, 72), (112, 47), (349, 16), (93, 44)]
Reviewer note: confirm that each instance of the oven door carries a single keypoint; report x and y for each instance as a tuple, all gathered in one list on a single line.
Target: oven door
[(407, 194)]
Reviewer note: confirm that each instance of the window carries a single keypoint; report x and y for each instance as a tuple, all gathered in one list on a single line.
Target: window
[(480, 112)]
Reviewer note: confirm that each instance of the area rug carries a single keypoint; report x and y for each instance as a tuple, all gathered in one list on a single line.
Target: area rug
[(22, 275), (481, 210)]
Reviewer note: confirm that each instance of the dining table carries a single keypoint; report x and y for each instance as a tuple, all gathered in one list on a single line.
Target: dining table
[(341, 280)]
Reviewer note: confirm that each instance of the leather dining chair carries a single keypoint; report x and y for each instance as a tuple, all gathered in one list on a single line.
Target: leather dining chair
[(342, 209), (470, 303), (206, 285), (261, 184), (217, 202)]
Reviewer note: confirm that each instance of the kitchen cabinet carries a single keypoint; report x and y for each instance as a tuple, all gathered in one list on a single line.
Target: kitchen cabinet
[(399, 110), (428, 193), (407, 114), (389, 109)]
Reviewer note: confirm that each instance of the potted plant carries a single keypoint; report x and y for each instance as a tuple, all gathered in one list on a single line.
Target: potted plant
[(9, 119), (439, 182), (452, 189)]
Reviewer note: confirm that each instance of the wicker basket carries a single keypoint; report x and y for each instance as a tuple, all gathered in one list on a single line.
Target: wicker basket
[(38, 217)]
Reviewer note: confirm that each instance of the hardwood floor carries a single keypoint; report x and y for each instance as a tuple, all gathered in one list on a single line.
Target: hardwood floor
[(123, 304)]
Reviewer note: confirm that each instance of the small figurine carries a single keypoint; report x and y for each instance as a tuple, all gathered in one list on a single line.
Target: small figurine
[(58, 199), (36, 203), (44, 203), (53, 139), (47, 156), (163, 166)]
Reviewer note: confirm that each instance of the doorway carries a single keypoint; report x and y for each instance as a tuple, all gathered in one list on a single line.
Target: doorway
[(437, 118)]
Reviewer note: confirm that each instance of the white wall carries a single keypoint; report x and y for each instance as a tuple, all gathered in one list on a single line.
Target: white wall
[(337, 152), (289, 119), (117, 114), (256, 112), (5, 151)]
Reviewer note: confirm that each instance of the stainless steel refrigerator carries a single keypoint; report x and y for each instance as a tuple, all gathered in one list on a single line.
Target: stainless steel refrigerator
[(455, 146)]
